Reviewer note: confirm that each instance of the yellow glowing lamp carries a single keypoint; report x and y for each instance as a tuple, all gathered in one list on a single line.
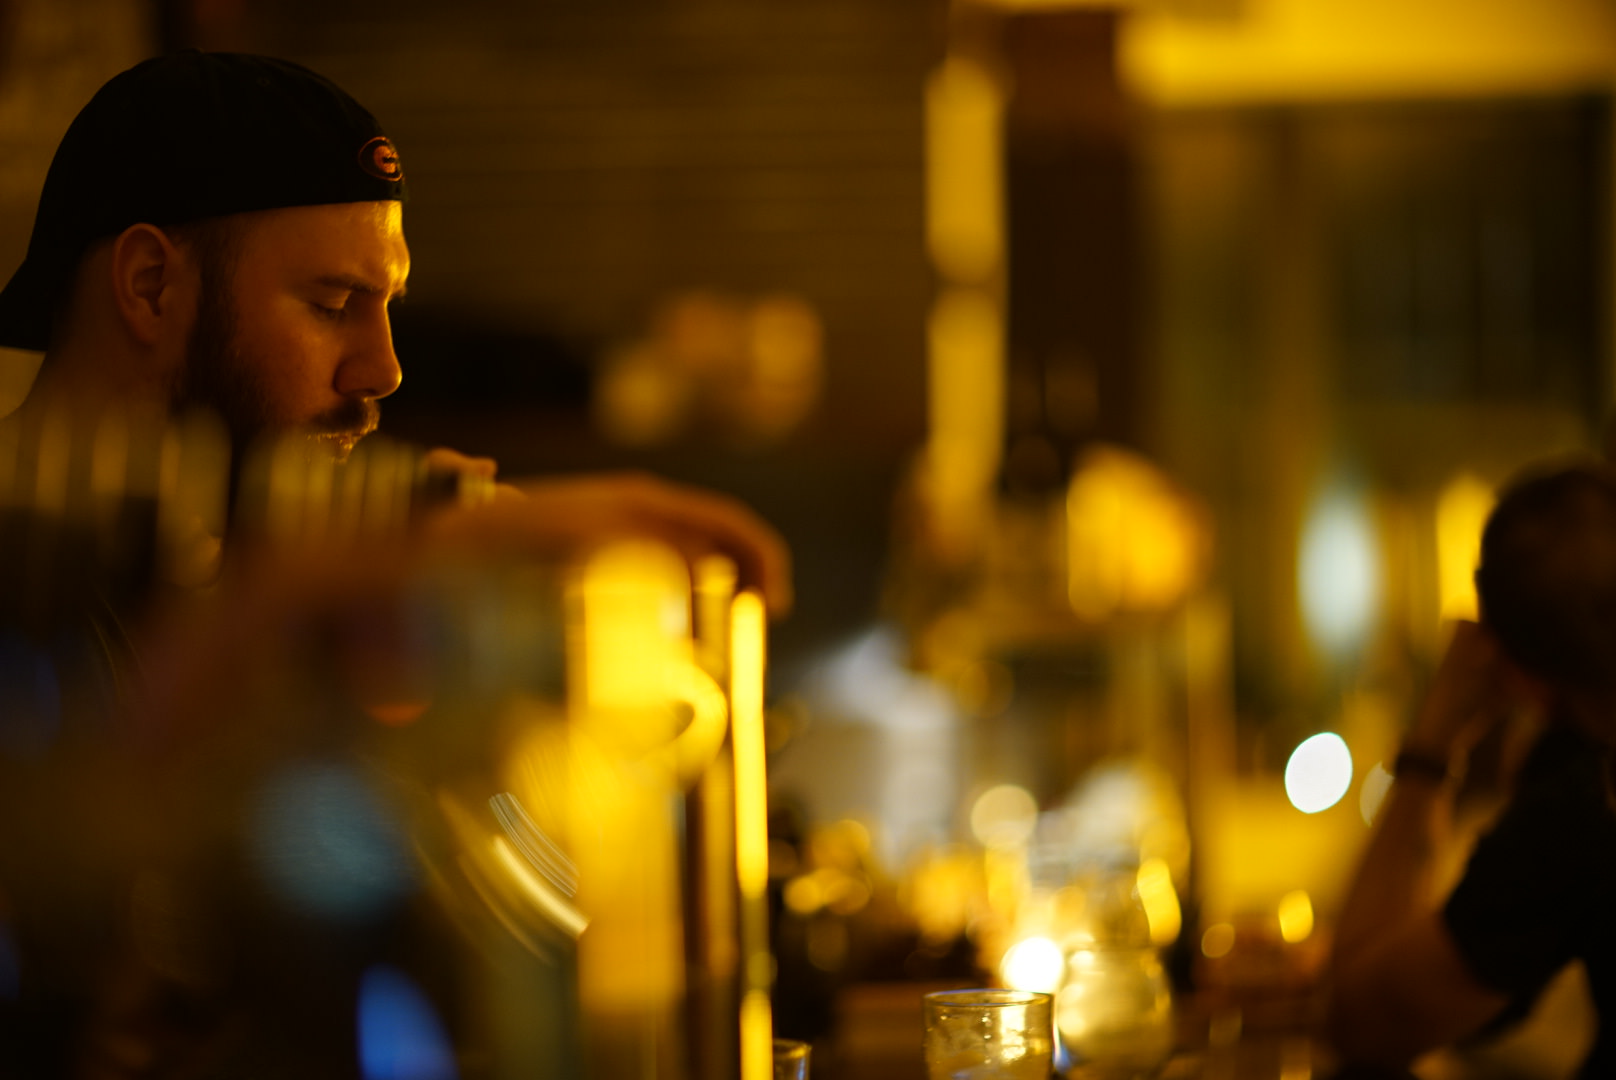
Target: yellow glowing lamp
[(1134, 542), (1461, 513), (965, 409), (629, 633), (964, 203), (1004, 816), (965, 332), (1160, 901), (747, 637), (941, 891), (1034, 963), (634, 624), (1295, 916)]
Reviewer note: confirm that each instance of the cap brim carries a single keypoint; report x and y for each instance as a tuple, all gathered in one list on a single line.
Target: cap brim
[(26, 306)]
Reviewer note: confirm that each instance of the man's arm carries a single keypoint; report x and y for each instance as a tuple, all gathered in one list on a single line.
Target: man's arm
[(1402, 988), (1399, 984), (571, 512)]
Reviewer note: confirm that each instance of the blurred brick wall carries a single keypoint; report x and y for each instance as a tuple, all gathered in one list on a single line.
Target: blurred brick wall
[(54, 54), (572, 163)]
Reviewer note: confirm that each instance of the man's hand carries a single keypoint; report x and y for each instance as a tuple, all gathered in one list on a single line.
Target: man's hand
[(579, 511), (1399, 985), (1475, 689)]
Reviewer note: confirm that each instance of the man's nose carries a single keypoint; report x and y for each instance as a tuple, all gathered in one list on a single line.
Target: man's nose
[(371, 368)]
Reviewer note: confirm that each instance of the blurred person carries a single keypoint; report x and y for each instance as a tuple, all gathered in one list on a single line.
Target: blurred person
[(226, 231), (1411, 973)]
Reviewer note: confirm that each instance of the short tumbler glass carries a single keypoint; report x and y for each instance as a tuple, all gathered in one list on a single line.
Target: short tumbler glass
[(988, 1035), (790, 1060)]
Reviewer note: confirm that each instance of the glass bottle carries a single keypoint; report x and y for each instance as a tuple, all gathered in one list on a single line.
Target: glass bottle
[(1114, 1011)]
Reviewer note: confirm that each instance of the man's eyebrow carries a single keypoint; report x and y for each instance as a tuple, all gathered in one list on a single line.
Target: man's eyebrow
[(358, 285)]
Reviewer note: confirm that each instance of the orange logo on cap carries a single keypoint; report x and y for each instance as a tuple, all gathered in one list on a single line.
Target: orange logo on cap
[(379, 158)]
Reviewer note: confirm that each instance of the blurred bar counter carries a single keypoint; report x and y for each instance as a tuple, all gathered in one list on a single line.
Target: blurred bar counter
[(879, 1030), (878, 1037)]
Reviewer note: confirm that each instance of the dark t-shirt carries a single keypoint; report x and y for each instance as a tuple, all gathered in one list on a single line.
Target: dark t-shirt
[(1540, 888)]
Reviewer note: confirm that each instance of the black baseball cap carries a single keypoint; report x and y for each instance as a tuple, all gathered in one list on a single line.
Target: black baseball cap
[(188, 136)]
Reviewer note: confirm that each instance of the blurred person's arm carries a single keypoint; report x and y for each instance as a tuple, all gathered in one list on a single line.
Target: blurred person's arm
[(1400, 985), (570, 512)]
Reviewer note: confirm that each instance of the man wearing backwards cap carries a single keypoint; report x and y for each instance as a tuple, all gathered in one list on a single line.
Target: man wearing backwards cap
[(226, 230), (219, 230)]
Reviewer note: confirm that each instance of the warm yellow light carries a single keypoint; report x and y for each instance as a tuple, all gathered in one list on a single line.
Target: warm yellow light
[(941, 892), (964, 206), (1318, 773), (1288, 51), (1004, 881), (637, 660), (1004, 816), (1218, 940), (553, 904), (1461, 512), (634, 598), (1160, 901), (965, 335), (747, 627), (1033, 964), (1133, 542), (695, 747), (803, 895), (1295, 916), (965, 405), (627, 629), (751, 778), (757, 1036), (786, 369)]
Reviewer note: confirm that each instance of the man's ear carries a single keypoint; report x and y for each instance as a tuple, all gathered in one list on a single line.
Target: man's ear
[(147, 270)]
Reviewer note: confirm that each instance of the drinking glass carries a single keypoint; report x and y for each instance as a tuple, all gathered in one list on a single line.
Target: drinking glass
[(1115, 1013), (988, 1035), (790, 1060)]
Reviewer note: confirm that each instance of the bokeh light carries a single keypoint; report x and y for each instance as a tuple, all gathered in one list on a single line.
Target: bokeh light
[(1339, 571), (400, 1034), (1217, 941), (1376, 783), (1033, 964), (1295, 916), (1134, 542), (1004, 816), (1160, 901), (1461, 513), (326, 844), (1319, 772)]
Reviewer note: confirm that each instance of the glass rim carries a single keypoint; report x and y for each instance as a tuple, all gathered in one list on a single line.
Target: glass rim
[(989, 996), (792, 1048)]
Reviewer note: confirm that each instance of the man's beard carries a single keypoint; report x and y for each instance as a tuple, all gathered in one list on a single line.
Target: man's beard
[(221, 374)]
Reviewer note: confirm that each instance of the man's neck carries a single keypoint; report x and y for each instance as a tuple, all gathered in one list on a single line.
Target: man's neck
[(86, 382)]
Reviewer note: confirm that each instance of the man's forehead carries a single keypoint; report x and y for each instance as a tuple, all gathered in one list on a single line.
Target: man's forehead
[(358, 240)]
